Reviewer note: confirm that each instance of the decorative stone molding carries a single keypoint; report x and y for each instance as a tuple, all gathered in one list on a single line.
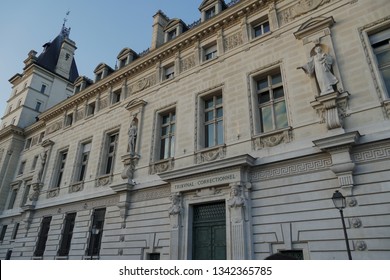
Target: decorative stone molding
[(372, 153), (290, 169), (233, 41), (162, 166), (129, 163), (339, 147), (124, 193), (53, 193), (54, 127), (272, 139), (211, 154), (104, 180), (361, 245), (356, 222), (176, 207), (351, 201), (76, 187), (143, 84), (36, 188), (332, 108), (187, 63), (298, 9)]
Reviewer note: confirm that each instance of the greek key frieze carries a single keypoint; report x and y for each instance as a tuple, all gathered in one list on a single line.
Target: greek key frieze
[(292, 169), (372, 154)]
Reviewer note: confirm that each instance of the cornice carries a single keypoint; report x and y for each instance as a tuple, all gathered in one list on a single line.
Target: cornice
[(11, 130), (242, 160), (167, 50)]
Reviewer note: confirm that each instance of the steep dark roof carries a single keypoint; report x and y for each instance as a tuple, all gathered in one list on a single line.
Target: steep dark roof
[(49, 57)]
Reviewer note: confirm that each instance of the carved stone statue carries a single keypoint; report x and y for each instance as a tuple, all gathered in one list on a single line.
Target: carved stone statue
[(320, 64), (236, 200), (132, 137), (176, 204), (43, 157)]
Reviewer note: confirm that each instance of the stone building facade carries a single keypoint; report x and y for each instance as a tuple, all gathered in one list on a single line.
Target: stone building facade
[(225, 140)]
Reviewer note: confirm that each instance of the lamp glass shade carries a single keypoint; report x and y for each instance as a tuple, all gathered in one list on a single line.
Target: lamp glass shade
[(339, 200)]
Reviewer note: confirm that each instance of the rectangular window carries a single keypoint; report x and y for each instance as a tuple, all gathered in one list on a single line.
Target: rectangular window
[(83, 161), (15, 231), (271, 102), (28, 143), (153, 256), (91, 109), (42, 237), (21, 167), (122, 62), (34, 163), (12, 198), (260, 29), (111, 146), (210, 52), (380, 43), (99, 76), (41, 135), (116, 96), (60, 168), (213, 121), (38, 106), (69, 119), (171, 35), (26, 193), (210, 13), (169, 72), (167, 136), (67, 234), (96, 232), (3, 231), (43, 88)]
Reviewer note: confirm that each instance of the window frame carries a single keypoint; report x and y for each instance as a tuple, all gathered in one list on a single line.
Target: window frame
[(260, 23), (202, 122), (67, 234), (60, 168), (210, 52), (261, 76), (379, 49), (108, 158), (82, 164), (42, 236), (170, 136)]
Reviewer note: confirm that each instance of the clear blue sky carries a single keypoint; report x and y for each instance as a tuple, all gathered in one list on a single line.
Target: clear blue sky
[(100, 28)]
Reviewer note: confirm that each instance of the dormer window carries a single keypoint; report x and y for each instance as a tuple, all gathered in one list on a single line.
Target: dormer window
[(210, 13), (77, 89), (172, 35), (211, 8), (99, 76), (122, 62)]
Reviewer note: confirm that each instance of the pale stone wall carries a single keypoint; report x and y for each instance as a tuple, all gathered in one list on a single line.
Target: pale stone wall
[(287, 180)]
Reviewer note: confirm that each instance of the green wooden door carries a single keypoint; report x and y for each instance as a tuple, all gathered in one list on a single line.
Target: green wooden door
[(209, 232)]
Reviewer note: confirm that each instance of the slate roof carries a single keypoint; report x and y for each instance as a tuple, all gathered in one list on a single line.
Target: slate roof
[(49, 57)]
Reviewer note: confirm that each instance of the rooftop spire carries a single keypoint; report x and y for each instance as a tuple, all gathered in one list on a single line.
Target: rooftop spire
[(65, 31)]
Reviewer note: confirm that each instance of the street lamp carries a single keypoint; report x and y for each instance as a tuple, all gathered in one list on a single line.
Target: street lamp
[(340, 203), (94, 233)]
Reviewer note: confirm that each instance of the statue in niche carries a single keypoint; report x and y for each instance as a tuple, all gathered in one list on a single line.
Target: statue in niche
[(132, 137), (320, 64), (236, 200), (43, 157)]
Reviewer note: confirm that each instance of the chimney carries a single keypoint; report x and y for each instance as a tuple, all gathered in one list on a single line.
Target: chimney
[(160, 20)]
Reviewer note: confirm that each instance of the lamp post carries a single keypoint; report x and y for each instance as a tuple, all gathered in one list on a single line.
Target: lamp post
[(340, 203), (94, 233)]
